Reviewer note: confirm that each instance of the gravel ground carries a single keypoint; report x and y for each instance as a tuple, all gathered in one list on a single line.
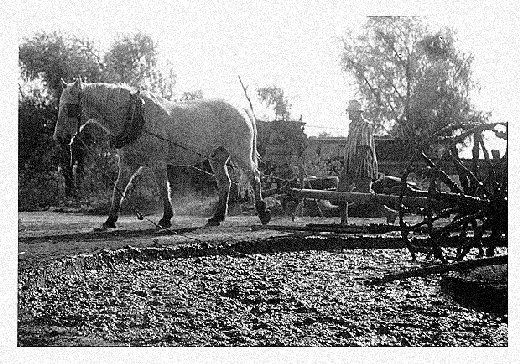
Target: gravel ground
[(216, 295)]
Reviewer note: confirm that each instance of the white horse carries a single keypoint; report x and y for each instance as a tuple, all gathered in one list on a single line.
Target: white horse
[(153, 132)]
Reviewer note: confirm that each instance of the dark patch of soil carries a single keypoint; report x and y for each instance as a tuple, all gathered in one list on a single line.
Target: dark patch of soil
[(483, 288)]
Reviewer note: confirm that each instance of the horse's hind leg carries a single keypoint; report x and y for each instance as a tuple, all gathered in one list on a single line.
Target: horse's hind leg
[(161, 178), (218, 162), (253, 174), (261, 208), (122, 188)]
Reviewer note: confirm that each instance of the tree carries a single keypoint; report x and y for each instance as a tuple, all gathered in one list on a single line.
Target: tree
[(192, 95), (413, 80), (45, 60), (53, 56), (163, 82), (133, 60), (274, 97), (282, 140)]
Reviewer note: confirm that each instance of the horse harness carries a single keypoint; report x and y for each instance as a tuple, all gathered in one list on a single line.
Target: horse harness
[(133, 123), (133, 128)]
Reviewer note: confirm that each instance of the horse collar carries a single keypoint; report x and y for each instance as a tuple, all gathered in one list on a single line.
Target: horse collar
[(133, 124)]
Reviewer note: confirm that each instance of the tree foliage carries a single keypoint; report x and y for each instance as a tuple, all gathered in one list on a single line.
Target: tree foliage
[(192, 95), (282, 141), (133, 60), (274, 97), (413, 80), (36, 122), (37, 154), (53, 56)]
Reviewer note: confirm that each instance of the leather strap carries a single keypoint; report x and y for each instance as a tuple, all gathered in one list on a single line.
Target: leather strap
[(134, 124)]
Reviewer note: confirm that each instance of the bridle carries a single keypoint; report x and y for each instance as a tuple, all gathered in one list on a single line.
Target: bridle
[(75, 111), (132, 129)]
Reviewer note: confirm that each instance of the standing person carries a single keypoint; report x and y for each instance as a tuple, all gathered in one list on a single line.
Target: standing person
[(360, 167)]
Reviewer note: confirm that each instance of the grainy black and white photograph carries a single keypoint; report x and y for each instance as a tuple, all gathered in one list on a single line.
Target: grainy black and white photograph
[(264, 174)]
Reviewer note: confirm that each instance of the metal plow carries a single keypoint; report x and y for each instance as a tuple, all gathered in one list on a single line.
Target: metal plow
[(464, 204)]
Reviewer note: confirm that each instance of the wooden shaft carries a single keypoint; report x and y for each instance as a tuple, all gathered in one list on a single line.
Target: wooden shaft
[(418, 199), (359, 197)]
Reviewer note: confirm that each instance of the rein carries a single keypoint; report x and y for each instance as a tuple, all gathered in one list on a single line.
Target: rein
[(75, 111)]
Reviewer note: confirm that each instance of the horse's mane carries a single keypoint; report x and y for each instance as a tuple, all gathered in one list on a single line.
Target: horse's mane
[(111, 101), (103, 92)]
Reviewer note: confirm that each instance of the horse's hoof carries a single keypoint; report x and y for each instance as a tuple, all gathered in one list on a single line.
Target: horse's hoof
[(164, 224), (213, 222), (265, 217), (160, 230), (110, 223), (105, 227)]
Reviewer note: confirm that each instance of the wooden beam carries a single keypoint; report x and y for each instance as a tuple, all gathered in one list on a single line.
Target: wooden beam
[(359, 197), (440, 200)]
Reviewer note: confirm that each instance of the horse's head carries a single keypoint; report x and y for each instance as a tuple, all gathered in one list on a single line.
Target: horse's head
[(69, 112)]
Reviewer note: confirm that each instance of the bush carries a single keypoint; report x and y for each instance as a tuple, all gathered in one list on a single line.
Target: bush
[(38, 179), (38, 193)]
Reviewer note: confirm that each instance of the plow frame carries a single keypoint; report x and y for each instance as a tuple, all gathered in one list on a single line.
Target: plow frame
[(476, 206)]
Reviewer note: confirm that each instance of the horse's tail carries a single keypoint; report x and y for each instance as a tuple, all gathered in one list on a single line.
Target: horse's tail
[(255, 156)]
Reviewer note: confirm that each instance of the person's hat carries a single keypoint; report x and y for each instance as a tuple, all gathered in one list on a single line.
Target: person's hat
[(354, 105)]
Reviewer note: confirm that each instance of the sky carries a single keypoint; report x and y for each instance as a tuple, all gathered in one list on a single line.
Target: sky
[(294, 45)]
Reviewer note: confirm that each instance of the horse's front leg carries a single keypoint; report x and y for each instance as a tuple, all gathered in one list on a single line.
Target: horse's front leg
[(122, 188), (161, 178)]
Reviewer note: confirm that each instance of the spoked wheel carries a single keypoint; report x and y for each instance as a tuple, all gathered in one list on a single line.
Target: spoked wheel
[(471, 213)]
